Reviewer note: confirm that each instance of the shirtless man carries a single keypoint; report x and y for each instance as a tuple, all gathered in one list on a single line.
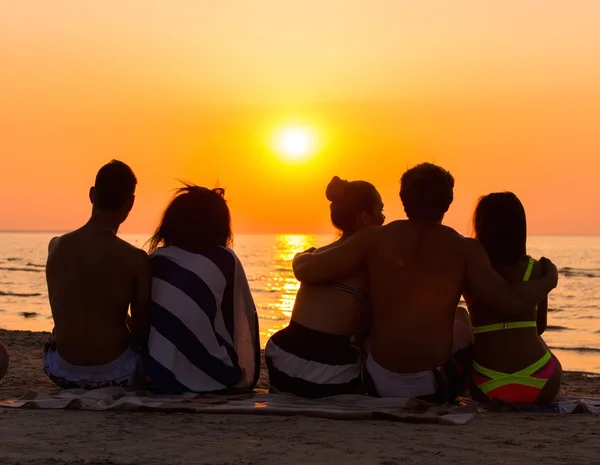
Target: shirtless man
[(93, 279), (418, 270)]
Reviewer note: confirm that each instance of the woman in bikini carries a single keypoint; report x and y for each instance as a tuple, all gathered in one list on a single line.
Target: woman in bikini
[(318, 354), (511, 361)]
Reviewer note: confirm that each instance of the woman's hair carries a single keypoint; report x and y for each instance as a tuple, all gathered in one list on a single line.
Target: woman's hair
[(500, 226), (349, 199), (196, 219)]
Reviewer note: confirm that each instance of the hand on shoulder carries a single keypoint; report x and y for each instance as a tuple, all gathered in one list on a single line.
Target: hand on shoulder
[(550, 271)]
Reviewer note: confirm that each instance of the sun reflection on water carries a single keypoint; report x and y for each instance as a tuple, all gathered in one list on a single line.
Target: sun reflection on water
[(280, 279)]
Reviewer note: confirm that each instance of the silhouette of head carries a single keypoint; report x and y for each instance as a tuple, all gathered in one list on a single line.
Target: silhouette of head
[(426, 192), (500, 226), (195, 220), (114, 190), (354, 205)]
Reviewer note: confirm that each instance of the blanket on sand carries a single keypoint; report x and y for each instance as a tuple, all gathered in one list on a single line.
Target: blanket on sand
[(561, 405), (345, 407)]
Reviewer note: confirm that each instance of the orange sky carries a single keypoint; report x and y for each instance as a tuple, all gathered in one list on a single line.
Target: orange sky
[(505, 96)]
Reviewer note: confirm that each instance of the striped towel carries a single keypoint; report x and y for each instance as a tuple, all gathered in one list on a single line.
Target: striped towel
[(204, 332)]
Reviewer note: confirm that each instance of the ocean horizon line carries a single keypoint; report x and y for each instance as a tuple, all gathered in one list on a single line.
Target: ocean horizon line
[(310, 233)]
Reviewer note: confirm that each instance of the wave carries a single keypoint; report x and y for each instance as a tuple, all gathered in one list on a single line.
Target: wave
[(30, 270), (35, 265), (591, 350), (16, 294), (28, 314), (556, 328), (580, 272), (266, 291)]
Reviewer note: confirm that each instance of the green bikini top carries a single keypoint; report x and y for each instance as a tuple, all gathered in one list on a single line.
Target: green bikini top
[(513, 324)]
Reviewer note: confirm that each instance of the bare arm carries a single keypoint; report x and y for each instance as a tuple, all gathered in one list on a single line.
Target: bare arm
[(335, 262), (488, 286), (542, 316), (139, 324)]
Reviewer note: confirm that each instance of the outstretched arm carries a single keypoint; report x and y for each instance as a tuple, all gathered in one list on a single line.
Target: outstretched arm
[(335, 262), (488, 286)]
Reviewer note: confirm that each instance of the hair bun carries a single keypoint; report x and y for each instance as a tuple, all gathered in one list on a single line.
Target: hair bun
[(335, 189)]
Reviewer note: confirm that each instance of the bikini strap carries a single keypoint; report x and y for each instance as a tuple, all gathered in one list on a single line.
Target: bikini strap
[(514, 324), (501, 326), (356, 293), (529, 269)]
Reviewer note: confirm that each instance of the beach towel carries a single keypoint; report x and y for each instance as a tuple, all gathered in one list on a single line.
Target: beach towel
[(204, 329), (564, 405), (343, 407)]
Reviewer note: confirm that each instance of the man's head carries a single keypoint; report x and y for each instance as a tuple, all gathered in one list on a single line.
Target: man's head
[(426, 192), (114, 189)]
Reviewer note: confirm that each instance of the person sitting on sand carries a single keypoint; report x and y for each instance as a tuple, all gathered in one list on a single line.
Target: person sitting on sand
[(511, 361), (93, 279), (314, 356), (418, 270), (204, 326)]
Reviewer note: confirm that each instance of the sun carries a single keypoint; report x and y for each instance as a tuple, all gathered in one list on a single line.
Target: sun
[(295, 144)]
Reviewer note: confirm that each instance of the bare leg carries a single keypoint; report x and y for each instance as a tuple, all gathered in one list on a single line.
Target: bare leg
[(463, 330)]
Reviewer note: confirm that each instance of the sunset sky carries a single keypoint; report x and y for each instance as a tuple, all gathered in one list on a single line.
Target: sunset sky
[(506, 96)]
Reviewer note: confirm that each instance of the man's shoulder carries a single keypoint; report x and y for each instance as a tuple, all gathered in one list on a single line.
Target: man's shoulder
[(453, 234), (130, 249), (53, 243), (392, 227), (65, 238)]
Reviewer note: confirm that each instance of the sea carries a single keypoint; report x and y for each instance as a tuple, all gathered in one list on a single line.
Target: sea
[(574, 307)]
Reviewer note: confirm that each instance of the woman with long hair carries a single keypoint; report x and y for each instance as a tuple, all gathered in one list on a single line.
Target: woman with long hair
[(204, 326), (512, 363)]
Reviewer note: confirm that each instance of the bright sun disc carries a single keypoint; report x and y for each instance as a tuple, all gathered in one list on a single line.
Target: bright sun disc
[(295, 144)]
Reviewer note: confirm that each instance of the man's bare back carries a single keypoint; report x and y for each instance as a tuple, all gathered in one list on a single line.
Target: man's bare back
[(416, 278), (93, 277)]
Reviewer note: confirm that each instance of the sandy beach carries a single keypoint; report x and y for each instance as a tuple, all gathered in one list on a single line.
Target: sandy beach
[(76, 437)]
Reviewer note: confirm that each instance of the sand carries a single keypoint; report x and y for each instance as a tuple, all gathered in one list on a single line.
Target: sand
[(77, 437)]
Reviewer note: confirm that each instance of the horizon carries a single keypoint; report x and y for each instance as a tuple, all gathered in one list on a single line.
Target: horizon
[(322, 233)]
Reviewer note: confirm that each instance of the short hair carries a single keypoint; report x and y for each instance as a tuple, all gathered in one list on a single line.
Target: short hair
[(426, 192), (197, 219), (114, 186), (500, 226)]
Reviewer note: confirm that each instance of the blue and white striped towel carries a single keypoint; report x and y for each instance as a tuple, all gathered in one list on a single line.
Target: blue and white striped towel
[(204, 326)]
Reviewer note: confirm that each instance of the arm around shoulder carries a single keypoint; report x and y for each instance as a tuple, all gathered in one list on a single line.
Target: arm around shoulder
[(488, 286), (335, 262)]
